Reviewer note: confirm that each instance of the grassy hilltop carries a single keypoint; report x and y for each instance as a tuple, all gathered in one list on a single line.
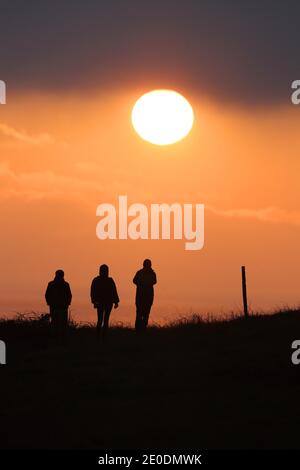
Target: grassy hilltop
[(220, 384)]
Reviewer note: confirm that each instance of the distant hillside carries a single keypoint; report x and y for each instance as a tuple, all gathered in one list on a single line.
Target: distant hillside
[(195, 384)]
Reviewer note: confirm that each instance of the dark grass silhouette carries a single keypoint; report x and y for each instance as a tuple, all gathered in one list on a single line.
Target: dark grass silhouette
[(192, 384)]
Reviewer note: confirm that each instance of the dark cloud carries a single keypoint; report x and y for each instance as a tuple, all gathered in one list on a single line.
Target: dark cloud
[(241, 51)]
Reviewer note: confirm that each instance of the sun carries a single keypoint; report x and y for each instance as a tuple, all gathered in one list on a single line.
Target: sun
[(162, 117)]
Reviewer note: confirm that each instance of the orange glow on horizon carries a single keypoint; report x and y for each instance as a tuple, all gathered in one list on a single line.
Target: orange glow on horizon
[(61, 157)]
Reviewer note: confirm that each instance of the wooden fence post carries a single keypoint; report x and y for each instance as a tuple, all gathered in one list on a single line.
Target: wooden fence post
[(244, 288)]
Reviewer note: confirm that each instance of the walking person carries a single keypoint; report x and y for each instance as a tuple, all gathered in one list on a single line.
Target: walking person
[(59, 296), (144, 280), (103, 296)]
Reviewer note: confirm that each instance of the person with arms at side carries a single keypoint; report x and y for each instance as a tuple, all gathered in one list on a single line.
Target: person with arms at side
[(59, 296), (144, 280), (103, 296)]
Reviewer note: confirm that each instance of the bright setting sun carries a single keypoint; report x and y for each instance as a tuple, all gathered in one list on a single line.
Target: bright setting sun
[(162, 117)]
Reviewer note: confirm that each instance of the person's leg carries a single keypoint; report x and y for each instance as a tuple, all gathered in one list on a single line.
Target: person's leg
[(54, 321), (64, 322), (146, 315), (58, 323), (100, 312), (107, 312), (138, 319)]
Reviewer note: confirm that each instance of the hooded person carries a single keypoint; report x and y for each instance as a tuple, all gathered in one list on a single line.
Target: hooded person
[(103, 296), (144, 280), (59, 296)]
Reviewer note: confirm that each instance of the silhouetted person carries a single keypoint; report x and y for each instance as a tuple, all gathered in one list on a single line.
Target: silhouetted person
[(103, 296), (58, 297), (144, 280)]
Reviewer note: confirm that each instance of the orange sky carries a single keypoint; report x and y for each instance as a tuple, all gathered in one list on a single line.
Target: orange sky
[(62, 155)]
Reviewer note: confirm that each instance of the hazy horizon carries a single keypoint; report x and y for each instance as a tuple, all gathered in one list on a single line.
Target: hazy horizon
[(67, 160), (67, 144)]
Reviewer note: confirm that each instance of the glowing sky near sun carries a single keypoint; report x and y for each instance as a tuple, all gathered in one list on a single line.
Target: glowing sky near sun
[(62, 157)]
